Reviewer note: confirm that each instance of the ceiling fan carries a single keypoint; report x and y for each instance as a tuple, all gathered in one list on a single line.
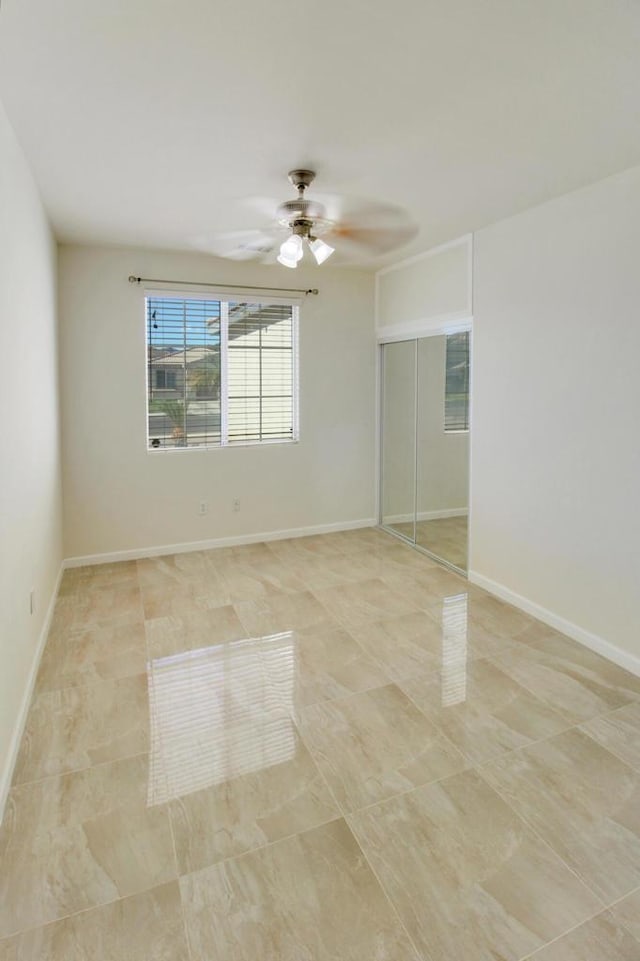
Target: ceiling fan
[(357, 229)]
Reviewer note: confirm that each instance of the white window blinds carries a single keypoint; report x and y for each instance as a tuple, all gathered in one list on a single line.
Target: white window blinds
[(260, 372), (220, 372)]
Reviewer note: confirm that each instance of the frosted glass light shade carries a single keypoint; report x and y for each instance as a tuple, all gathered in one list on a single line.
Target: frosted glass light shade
[(286, 261), (291, 249), (320, 250)]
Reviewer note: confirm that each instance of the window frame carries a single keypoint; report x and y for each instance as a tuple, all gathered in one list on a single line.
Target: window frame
[(225, 296)]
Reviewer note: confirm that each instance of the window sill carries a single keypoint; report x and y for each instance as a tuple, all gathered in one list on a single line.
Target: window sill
[(207, 450)]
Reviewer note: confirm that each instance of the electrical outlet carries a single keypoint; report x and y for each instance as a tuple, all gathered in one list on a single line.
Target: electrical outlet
[(32, 600), (236, 504), (203, 508)]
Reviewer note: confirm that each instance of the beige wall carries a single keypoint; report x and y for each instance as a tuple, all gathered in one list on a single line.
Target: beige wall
[(30, 509), (119, 497), (556, 400)]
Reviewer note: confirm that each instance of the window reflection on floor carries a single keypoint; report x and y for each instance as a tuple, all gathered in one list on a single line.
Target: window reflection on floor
[(454, 650), (219, 712)]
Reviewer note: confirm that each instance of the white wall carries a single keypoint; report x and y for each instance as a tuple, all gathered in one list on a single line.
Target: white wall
[(30, 508), (555, 441), (119, 497)]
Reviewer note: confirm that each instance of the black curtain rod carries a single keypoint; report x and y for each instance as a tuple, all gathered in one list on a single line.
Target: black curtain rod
[(195, 283)]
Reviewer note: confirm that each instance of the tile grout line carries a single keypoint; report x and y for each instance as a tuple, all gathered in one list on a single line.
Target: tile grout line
[(419, 956), (495, 660), (576, 726), (611, 750), (476, 765), (543, 947), (471, 765), (92, 907), (88, 683), (586, 921), (185, 926), (604, 906), (167, 807), (260, 847), (344, 812), (78, 770), (542, 841)]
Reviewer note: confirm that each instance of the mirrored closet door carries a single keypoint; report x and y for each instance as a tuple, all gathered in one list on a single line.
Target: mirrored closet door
[(425, 444), (399, 385)]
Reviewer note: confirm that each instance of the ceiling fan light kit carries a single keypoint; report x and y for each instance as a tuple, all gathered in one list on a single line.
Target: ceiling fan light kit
[(302, 216)]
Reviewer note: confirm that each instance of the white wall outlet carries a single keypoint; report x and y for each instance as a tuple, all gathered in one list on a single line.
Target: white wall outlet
[(32, 600), (203, 508), (236, 504)]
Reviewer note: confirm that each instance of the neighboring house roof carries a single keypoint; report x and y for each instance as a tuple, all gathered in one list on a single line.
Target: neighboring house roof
[(193, 355), (247, 318), (244, 320)]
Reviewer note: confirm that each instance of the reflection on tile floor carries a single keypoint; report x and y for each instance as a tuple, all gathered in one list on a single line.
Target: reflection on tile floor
[(321, 748)]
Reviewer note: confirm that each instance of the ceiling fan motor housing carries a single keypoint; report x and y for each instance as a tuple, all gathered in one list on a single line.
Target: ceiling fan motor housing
[(299, 209), (300, 214)]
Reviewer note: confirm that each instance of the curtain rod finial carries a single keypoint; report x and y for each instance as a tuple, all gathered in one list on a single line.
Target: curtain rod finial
[(134, 280), (312, 290)]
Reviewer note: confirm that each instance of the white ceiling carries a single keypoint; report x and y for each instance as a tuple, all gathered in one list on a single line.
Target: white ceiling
[(145, 121)]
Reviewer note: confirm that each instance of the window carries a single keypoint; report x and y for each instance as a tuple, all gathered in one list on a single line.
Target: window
[(165, 379), (456, 390), (220, 372)]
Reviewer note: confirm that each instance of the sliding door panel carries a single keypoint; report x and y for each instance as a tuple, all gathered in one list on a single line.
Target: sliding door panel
[(443, 447), (398, 480)]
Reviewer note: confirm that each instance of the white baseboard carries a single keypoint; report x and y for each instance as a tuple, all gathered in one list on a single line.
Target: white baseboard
[(21, 720), (428, 515), (157, 551), (447, 512), (627, 660)]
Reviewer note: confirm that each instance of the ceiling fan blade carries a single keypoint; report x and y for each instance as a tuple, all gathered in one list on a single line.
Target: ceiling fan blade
[(362, 241), (266, 208), (239, 244), (362, 212)]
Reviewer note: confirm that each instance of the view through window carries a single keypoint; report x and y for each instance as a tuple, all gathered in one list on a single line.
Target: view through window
[(220, 372)]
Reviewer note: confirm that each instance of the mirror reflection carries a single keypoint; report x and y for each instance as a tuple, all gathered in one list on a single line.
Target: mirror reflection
[(443, 446), (425, 443), (399, 438)]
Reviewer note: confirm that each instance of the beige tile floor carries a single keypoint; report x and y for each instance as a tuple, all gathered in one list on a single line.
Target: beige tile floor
[(324, 749)]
